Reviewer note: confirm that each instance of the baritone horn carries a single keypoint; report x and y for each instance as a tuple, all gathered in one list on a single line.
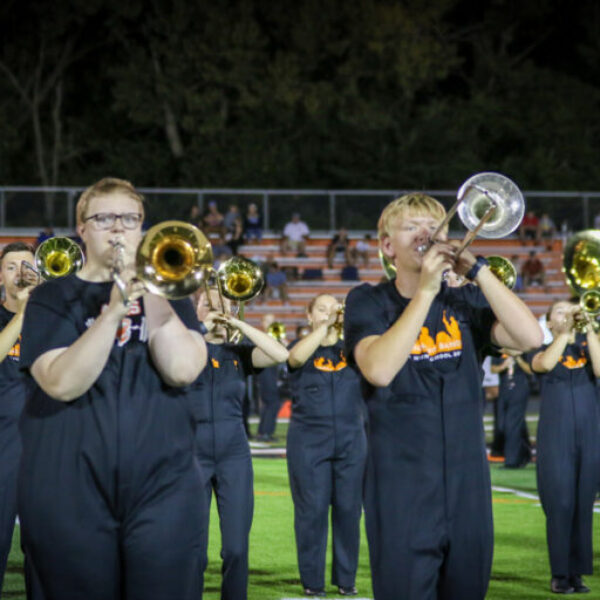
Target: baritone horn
[(57, 257), (173, 259)]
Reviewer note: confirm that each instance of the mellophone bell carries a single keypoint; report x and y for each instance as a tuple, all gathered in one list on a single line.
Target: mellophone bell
[(568, 437)]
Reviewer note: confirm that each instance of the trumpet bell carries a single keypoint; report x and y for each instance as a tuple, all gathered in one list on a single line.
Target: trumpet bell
[(590, 302), (581, 261), (58, 257), (173, 259), (240, 279), (483, 190), (504, 270), (277, 330)]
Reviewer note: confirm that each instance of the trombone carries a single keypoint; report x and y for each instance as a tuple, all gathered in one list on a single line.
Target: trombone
[(57, 257)]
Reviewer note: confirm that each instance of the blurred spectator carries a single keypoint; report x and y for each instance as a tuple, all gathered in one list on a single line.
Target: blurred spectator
[(44, 235), (221, 251), (532, 271), (235, 235), (231, 216), (597, 221), (546, 230), (294, 237), (302, 331), (276, 283), (361, 250), (349, 273), (529, 227), (213, 221), (515, 259), (194, 217), (291, 272), (339, 244), (252, 224)]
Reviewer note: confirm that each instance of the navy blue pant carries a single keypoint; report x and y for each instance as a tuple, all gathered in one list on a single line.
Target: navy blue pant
[(326, 468), (270, 399), (9, 468), (568, 460), (512, 408), (84, 547), (231, 478)]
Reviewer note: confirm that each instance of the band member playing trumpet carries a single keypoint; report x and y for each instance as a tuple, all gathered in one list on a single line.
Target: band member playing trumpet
[(417, 343), (12, 385), (221, 443), (326, 450), (568, 444), (108, 484)]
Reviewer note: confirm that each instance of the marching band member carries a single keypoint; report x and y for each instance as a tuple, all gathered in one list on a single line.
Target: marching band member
[(12, 390), (568, 445), (326, 450), (221, 443), (417, 343), (108, 485)]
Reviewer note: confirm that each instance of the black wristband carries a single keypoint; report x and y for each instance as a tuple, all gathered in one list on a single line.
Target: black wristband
[(480, 262)]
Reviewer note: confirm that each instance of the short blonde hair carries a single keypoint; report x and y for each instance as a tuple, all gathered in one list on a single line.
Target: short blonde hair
[(415, 204), (105, 187)]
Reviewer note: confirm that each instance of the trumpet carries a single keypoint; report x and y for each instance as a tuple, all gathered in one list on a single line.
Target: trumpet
[(339, 322), (277, 331)]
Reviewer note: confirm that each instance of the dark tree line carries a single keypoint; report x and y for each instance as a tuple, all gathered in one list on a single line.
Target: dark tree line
[(312, 94)]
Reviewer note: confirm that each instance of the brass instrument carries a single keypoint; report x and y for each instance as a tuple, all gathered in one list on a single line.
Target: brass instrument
[(58, 257), (277, 331), (173, 259), (339, 322), (581, 265), (503, 269), (488, 204), (240, 279), (387, 265)]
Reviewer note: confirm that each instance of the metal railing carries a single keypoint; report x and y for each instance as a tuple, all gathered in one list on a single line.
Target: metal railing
[(23, 207)]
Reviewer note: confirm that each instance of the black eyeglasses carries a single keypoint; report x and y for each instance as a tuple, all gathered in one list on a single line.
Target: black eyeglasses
[(103, 221)]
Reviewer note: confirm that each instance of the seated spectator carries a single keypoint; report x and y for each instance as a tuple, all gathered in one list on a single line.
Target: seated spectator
[(252, 224), (339, 244), (221, 251), (360, 251), (349, 273), (44, 235), (302, 331), (231, 216), (276, 283), (294, 237), (194, 217), (213, 221), (529, 227), (532, 271), (291, 272), (546, 230), (235, 235)]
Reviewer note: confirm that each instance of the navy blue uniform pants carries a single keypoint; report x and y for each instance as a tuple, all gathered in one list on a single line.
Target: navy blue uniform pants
[(513, 405), (231, 478), (84, 547), (326, 468), (568, 462)]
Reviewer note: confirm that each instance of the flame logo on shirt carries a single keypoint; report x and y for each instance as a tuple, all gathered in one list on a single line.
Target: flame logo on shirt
[(571, 363), (16, 349), (326, 364), (215, 363), (447, 340)]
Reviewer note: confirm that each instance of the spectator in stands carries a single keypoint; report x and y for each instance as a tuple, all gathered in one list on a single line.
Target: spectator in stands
[(532, 271), (360, 251), (230, 218), (44, 235), (294, 237), (221, 252), (546, 230), (529, 227), (235, 235), (213, 221), (194, 217), (276, 281), (252, 224), (339, 244), (302, 331)]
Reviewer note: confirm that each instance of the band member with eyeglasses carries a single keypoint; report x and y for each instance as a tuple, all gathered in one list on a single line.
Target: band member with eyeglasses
[(17, 287), (418, 344), (326, 451), (222, 446), (108, 483), (568, 444)]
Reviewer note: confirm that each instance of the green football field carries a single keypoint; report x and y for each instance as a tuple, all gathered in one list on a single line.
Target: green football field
[(520, 569)]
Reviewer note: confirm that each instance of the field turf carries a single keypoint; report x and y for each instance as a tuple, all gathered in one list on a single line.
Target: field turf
[(520, 569)]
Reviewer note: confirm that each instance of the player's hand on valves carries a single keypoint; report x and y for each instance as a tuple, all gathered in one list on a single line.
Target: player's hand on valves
[(125, 290)]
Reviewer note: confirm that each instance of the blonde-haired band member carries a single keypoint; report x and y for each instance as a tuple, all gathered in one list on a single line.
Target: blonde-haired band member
[(417, 343)]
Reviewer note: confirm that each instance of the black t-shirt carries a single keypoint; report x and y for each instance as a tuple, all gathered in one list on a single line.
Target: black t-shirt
[(218, 393), (456, 329), (129, 416)]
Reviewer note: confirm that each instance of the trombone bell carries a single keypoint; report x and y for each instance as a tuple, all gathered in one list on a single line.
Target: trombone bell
[(57, 257)]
